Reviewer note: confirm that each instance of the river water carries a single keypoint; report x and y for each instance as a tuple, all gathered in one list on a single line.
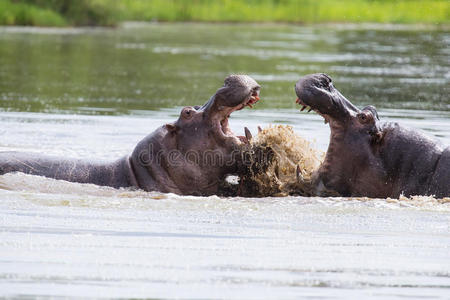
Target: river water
[(94, 93)]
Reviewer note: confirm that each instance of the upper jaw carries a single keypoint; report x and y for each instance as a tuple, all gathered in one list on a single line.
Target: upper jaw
[(237, 92), (253, 98), (318, 92)]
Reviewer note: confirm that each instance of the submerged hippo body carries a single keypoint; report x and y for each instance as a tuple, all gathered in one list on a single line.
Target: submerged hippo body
[(189, 156), (366, 157)]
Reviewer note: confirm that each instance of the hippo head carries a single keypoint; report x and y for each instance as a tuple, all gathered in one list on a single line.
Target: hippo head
[(194, 154), (317, 92), (354, 132), (206, 127)]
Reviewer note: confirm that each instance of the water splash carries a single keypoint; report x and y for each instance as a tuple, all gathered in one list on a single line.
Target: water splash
[(279, 163)]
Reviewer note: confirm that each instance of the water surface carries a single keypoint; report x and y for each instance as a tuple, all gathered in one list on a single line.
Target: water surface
[(94, 93)]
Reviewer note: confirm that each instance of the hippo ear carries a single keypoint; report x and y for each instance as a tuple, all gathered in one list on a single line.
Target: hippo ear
[(373, 110), (171, 128)]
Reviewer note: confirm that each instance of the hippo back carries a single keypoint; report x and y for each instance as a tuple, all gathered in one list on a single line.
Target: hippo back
[(415, 163), (116, 173)]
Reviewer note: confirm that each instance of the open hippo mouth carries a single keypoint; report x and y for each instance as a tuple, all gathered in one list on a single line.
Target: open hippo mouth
[(226, 131), (239, 91)]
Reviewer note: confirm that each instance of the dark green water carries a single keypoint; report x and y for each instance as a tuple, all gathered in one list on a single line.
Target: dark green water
[(148, 67)]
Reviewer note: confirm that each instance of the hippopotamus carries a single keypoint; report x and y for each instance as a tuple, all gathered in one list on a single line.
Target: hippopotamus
[(189, 157), (367, 157)]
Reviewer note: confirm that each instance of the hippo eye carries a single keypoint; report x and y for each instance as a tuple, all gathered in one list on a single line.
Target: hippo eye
[(363, 118), (188, 113)]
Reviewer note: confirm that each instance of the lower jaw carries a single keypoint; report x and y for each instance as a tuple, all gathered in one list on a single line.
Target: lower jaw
[(228, 135), (225, 131), (237, 139), (233, 141)]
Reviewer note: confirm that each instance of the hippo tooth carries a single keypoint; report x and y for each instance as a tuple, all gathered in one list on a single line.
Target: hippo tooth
[(259, 129), (298, 173), (303, 108), (248, 134)]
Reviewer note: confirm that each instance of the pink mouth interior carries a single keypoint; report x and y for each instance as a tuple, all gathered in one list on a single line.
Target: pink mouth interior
[(304, 106), (224, 124)]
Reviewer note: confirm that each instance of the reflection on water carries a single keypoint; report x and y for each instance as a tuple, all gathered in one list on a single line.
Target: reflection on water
[(67, 239), (146, 67)]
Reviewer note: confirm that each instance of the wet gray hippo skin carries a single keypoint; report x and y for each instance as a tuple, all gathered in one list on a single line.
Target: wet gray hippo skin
[(189, 156), (366, 157)]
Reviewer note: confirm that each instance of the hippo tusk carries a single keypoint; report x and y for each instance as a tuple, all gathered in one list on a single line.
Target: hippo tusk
[(298, 173), (248, 134)]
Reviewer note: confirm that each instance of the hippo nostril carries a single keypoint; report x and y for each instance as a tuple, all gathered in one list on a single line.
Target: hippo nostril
[(327, 77), (325, 81)]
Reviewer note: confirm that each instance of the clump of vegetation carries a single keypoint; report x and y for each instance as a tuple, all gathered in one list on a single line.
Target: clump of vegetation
[(110, 12)]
